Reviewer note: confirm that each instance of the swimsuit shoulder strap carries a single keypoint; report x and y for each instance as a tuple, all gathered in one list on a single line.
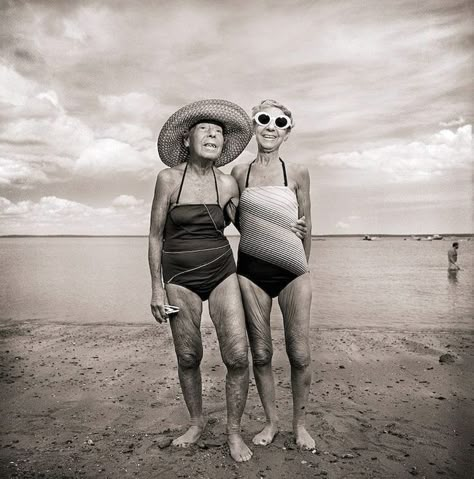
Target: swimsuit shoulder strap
[(182, 181), (284, 172), (248, 174), (215, 182)]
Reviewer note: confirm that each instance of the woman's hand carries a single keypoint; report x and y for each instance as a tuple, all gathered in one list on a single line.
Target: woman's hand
[(157, 305), (299, 228)]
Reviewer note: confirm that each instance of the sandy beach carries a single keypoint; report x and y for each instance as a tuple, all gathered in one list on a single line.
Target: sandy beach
[(104, 400)]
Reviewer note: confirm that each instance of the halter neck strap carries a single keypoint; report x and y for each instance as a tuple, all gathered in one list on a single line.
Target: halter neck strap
[(285, 178), (182, 182)]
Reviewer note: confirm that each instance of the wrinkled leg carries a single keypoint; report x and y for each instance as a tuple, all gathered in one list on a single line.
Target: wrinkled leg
[(227, 314), (295, 303), (258, 305), (185, 327)]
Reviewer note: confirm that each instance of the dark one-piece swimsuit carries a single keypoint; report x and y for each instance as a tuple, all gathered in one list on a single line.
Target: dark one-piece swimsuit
[(270, 254), (196, 254)]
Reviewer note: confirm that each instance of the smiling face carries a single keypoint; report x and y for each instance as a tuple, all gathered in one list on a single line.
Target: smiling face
[(205, 140), (269, 137)]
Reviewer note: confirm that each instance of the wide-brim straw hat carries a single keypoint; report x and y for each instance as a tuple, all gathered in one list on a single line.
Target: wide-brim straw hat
[(235, 121)]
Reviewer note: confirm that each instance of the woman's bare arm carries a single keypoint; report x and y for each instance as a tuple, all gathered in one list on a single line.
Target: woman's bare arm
[(159, 211), (232, 210), (303, 195)]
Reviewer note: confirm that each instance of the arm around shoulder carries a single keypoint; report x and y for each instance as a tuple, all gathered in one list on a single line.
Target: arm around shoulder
[(232, 195)]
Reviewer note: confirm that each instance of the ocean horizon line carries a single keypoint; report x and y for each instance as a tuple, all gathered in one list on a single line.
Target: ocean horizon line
[(352, 235)]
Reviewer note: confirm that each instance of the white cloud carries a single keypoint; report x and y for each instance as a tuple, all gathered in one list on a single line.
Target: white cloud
[(22, 97), (131, 105), (415, 161), (20, 174), (14, 88), (62, 134), (38, 137), (457, 122), (50, 96), (50, 208), (9, 208), (108, 156), (134, 134), (53, 215), (39, 106), (73, 31), (127, 201), (61, 207), (42, 143)]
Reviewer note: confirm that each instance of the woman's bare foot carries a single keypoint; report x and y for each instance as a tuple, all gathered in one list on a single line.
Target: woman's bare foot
[(191, 436), (238, 449), (303, 439), (266, 435)]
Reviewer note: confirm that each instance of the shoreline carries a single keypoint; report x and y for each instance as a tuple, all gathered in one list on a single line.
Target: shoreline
[(99, 402), (6, 323), (207, 324)]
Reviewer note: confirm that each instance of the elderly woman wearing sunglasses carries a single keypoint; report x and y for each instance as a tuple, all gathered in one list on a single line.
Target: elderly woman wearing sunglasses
[(273, 262)]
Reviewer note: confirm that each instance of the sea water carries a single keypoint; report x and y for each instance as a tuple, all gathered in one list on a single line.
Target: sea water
[(390, 283)]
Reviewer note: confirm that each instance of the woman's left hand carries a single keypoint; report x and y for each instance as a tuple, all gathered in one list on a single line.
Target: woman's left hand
[(299, 228)]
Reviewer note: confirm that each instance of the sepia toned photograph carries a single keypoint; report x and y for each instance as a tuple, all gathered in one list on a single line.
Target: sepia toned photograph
[(236, 239)]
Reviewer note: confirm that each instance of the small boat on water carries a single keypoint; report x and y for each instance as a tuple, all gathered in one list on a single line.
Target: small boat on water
[(369, 238), (426, 238)]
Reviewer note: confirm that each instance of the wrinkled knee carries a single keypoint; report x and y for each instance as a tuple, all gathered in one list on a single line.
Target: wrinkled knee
[(189, 360), (299, 358), (237, 359), (262, 356)]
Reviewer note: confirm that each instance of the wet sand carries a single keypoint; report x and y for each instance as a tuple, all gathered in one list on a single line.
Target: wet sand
[(104, 400)]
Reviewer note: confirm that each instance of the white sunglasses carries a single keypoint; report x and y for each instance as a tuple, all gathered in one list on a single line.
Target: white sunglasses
[(282, 122)]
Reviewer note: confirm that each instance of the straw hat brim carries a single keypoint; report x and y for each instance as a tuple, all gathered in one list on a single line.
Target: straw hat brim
[(237, 130)]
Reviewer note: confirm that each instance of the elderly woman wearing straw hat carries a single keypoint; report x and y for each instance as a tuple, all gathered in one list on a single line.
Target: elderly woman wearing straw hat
[(190, 254), (273, 262)]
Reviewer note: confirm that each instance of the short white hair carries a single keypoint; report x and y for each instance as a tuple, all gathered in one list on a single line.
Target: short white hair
[(273, 103)]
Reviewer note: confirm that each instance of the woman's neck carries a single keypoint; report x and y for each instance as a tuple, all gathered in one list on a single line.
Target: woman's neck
[(265, 158), (201, 166)]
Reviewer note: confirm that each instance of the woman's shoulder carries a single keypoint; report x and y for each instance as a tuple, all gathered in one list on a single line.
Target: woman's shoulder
[(239, 170), (226, 179), (172, 172), (169, 176), (297, 170)]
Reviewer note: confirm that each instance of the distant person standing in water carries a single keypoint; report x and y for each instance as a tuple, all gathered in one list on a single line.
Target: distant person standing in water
[(453, 257)]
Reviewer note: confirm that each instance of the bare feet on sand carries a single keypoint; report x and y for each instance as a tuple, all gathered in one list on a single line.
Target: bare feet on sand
[(191, 436), (238, 449), (303, 439), (266, 435)]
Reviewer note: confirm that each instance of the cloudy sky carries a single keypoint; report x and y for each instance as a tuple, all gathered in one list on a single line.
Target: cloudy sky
[(381, 92)]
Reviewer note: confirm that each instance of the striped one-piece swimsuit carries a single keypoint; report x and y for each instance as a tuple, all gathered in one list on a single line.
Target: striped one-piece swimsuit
[(270, 254)]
